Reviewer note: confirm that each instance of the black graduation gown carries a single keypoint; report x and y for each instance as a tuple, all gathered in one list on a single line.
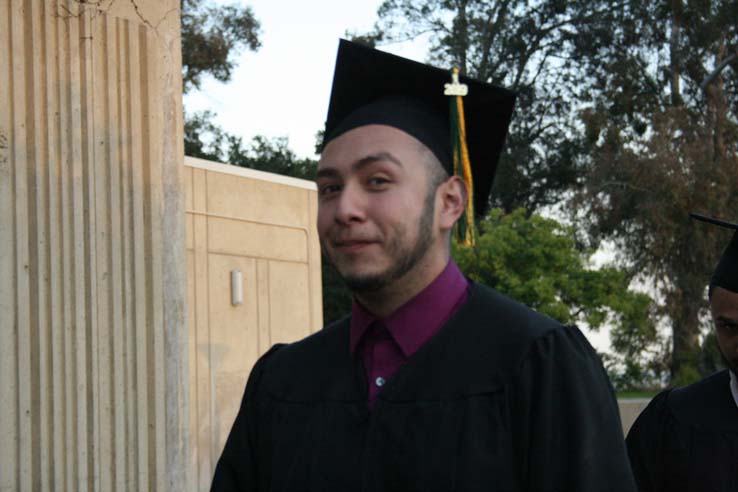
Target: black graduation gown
[(687, 439), (502, 399)]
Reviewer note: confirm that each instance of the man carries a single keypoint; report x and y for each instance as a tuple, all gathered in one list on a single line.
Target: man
[(433, 383), (687, 439)]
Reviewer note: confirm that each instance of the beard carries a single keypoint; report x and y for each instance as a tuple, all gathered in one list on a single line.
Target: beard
[(405, 257), (731, 364)]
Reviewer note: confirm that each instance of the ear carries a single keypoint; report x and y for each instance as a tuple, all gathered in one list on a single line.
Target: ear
[(451, 198)]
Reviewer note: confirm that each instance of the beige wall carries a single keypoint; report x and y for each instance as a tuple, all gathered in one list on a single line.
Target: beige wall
[(263, 225), (92, 267)]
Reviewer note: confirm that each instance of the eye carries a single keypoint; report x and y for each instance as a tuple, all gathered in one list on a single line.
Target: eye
[(728, 326), (328, 189), (377, 181)]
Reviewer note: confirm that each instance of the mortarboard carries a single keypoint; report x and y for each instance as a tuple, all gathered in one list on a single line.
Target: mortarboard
[(374, 87), (726, 272)]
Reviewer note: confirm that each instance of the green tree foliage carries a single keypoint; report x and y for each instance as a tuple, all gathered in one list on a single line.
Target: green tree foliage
[(270, 155), (662, 137), (211, 36), (539, 262), (203, 138), (206, 140), (518, 44)]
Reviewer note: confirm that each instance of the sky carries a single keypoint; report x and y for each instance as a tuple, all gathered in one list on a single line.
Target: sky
[(283, 89)]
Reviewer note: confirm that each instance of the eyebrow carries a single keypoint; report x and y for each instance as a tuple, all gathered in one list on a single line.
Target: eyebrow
[(360, 164), (371, 159), (727, 320)]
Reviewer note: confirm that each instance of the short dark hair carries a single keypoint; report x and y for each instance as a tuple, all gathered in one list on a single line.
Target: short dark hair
[(437, 174)]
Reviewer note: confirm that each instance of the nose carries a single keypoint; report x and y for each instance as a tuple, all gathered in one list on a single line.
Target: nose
[(350, 206)]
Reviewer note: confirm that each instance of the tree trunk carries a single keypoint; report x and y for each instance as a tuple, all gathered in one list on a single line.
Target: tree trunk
[(674, 62), (685, 307), (719, 107), (461, 29)]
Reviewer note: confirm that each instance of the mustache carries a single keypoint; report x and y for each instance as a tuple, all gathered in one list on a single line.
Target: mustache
[(352, 239)]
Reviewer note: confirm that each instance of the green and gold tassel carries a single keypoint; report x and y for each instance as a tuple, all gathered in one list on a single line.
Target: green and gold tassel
[(466, 231)]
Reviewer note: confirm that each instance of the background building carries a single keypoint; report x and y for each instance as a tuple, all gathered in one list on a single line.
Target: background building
[(253, 266)]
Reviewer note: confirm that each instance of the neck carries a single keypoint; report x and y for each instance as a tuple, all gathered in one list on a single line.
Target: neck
[(388, 299)]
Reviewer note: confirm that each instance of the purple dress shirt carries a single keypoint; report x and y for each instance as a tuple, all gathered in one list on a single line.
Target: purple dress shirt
[(385, 344)]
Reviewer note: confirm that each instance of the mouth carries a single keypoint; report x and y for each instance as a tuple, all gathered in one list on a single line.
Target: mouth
[(352, 246)]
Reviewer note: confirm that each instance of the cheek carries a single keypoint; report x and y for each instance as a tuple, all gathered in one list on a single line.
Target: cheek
[(732, 343), (728, 344), (397, 207)]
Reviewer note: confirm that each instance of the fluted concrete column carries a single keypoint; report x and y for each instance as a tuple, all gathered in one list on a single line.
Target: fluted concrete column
[(93, 337)]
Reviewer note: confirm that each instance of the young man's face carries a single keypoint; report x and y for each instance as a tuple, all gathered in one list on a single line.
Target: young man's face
[(376, 218), (724, 309)]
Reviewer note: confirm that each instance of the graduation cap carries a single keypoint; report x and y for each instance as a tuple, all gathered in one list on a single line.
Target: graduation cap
[(726, 272), (462, 121)]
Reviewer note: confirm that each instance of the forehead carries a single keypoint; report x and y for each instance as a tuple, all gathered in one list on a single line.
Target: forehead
[(724, 303), (347, 149)]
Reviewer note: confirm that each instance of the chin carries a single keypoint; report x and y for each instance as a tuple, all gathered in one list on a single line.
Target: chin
[(365, 281), (359, 270)]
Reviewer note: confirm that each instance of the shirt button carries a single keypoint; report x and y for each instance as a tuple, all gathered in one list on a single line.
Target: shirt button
[(379, 381)]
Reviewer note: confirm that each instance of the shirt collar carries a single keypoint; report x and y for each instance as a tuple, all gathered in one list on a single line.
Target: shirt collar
[(734, 386), (416, 321), (361, 319)]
